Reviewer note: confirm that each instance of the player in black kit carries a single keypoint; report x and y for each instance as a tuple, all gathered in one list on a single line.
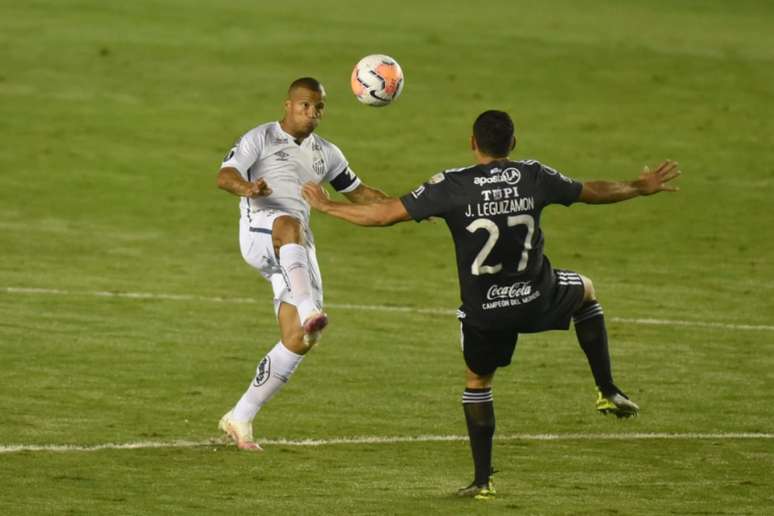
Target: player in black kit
[(507, 285)]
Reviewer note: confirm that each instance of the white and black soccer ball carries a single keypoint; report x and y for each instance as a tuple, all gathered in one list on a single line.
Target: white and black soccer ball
[(377, 80)]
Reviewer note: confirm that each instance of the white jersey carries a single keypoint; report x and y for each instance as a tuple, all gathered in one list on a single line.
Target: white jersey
[(268, 152)]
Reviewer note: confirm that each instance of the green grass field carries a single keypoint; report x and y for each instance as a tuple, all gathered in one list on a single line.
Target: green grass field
[(114, 118)]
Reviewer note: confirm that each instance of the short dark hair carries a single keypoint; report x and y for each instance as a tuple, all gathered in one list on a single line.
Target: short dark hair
[(306, 82), (493, 131)]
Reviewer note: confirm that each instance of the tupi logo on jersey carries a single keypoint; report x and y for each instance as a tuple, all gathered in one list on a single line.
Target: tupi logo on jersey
[(509, 176), (518, 289)]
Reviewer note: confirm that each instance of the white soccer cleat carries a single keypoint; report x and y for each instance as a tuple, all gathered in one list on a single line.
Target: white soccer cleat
[(241, 432)]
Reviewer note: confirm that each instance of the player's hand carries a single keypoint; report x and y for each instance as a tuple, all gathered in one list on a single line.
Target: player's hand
[(315, 195), (654, 181), (257, 188)]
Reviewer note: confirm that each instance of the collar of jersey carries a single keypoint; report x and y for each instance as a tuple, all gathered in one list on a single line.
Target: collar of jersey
[(290, 136)]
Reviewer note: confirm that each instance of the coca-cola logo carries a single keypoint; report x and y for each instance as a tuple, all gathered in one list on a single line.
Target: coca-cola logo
[(518, 289)]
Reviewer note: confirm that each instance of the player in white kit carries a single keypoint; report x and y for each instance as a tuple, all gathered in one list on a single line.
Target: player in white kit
[(267, 168)]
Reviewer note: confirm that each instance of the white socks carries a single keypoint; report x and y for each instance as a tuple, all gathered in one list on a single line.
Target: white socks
[(295, 266), (272, 373), (279, 364)]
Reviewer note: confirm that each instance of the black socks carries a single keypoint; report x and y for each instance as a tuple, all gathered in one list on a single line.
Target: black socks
[(592, 336), (479, 415)]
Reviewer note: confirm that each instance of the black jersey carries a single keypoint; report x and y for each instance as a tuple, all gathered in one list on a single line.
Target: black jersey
[(493, 214)]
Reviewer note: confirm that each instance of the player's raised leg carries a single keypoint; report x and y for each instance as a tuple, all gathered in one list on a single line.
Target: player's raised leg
[(592, 336), (273, 372), (288, 240)]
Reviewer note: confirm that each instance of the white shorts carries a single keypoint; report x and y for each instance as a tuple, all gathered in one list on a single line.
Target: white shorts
[(257, 248)]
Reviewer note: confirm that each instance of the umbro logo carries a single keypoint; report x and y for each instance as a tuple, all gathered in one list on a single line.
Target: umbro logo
[(282, 155)]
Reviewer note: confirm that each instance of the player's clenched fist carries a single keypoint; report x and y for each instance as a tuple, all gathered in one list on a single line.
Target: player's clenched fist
[(257, 188)]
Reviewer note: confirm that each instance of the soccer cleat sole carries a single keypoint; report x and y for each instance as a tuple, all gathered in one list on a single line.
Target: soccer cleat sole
[(484, 496), (477, 492), (618, 413), (315, 323)]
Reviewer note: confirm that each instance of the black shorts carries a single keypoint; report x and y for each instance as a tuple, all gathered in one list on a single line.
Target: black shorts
[(564, 299), (486, 350), (487, 347)]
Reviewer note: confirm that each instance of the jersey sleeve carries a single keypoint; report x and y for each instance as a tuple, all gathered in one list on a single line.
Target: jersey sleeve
[(556, 187), (244, 153), (430, 199), (342, 178)]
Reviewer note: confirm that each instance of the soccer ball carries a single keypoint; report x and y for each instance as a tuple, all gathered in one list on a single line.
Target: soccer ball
[(377, 80)]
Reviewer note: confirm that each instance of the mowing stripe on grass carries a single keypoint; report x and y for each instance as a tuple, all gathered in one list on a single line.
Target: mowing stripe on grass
[(375, 308), (144, 445)]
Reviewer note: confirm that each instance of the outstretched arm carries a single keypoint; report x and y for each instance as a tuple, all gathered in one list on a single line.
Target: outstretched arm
[(385, 211), (649, 183), (365, 194), (231, 181)]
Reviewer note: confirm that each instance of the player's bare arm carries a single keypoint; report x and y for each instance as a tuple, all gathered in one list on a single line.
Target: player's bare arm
[(649, 183), (382, 212), (231, 181), (365, 194)]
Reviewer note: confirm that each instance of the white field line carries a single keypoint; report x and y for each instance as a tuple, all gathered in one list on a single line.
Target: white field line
[(144, 445), (345, 306)]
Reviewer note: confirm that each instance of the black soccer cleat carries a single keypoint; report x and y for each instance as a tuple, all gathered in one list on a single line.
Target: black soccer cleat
[(478, 492), (617, 404)]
